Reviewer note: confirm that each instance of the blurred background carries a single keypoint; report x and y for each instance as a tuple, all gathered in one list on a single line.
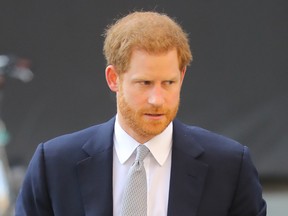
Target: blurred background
[(52, 78)]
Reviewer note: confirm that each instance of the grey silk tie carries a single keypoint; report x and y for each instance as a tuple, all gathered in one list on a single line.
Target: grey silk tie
[(135, 191)]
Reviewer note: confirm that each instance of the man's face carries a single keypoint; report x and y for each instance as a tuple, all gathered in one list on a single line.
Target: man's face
[(149, 93)]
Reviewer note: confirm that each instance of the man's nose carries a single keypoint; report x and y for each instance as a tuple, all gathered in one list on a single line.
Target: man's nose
[(156, 96)]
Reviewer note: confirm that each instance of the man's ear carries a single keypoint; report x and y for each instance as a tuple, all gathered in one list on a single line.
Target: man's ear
[(112, 78), (183, 74)]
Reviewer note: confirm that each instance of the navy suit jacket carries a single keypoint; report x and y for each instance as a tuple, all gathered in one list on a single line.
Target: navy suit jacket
[(72, 176)]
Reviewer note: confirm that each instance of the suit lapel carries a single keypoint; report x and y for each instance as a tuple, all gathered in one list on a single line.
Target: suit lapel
[(187, 173), (95, 172)]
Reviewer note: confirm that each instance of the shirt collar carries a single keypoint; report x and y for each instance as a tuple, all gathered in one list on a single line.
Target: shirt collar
[(159, 145)]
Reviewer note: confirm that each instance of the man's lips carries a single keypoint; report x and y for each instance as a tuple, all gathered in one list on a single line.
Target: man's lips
[(154, 115)]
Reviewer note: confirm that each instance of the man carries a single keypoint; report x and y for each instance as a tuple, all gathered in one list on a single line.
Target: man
[(189, 170)]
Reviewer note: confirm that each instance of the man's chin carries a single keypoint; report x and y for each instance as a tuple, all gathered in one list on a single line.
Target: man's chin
[(154, 129)]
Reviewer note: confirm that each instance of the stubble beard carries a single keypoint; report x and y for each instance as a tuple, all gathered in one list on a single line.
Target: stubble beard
[(141, 126)]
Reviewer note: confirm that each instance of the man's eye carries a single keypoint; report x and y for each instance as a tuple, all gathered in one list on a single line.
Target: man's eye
[(145, 82), (169, 82)]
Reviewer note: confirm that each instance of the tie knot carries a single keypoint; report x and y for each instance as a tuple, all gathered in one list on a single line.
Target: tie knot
[(142, 152)]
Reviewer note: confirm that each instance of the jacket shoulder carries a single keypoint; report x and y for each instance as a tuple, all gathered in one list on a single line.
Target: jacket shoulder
[(72, 144), (208, 141)]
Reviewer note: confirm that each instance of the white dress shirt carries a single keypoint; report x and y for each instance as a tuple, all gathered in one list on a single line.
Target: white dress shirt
[(157, 165)]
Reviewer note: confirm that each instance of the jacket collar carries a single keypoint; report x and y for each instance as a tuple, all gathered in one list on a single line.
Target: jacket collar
[(95, 171), (188, 174)]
